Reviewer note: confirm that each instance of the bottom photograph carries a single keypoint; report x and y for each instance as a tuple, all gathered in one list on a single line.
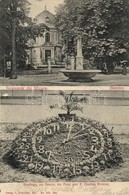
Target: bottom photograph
[(57, 136)]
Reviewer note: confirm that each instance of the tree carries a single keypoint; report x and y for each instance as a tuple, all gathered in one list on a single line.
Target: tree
[(105, 28), (16, 28), (23, 35), (14, 13), (4, 35)]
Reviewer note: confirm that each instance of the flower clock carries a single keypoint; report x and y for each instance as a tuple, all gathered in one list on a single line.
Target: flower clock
[(65, 148)]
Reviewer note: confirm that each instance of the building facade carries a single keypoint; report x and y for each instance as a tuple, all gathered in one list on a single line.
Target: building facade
[(47, 45)]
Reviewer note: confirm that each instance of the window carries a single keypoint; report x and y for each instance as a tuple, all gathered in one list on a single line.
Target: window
[(35, 20), (47, 20), (47, 37)]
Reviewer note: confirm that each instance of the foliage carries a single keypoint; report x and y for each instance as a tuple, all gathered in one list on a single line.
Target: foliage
[(104, 26), (71, 102), (24, 34), (11, 10)]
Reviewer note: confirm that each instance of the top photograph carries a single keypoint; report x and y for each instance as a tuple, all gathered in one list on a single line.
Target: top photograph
[(64, 43)]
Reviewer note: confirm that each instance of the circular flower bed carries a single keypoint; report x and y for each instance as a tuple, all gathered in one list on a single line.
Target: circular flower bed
[(65, 148)]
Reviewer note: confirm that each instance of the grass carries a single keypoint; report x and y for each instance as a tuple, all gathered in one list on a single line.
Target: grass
[(60, 80)]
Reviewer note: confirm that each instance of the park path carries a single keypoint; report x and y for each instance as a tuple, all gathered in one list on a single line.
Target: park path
[(60, 80)]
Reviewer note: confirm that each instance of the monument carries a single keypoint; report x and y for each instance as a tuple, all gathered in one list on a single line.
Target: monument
[(79, 57), (77, 72)]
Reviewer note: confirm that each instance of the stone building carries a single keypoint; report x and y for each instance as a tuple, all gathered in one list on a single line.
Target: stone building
[(48, 45)]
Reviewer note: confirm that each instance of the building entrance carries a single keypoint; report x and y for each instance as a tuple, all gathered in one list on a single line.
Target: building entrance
[(47, 54)]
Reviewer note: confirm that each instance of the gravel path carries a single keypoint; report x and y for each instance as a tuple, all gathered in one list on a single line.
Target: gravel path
[(60, 80)]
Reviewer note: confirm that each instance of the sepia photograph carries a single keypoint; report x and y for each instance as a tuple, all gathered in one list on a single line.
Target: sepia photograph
[(64, 43), (64, 97), (64, 136)]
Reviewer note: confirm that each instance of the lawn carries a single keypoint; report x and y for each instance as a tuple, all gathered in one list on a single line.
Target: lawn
[(58, 79)]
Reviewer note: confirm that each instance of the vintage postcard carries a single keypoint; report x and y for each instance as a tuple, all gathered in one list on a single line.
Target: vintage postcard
[(64, 97), (64, 142)]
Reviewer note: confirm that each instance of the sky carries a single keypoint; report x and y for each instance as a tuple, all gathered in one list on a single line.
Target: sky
[(37, 6)]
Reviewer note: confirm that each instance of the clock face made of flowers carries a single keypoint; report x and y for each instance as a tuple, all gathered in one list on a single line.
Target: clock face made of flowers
[(59, 148)]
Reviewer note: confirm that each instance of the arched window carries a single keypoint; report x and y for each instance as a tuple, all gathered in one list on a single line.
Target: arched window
[(47, 37), (47, 20), (35, 20)]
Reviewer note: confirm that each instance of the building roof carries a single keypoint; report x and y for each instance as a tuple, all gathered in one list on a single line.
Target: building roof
[(45, 17)]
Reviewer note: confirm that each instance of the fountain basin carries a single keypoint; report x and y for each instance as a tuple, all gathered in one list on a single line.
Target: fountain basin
[(80, 75)]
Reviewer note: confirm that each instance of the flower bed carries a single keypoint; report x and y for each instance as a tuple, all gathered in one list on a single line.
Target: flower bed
[(59, 148)]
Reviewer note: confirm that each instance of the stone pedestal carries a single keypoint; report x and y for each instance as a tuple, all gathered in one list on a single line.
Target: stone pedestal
[(49, 65), (72, 63), (79, 63), (79, 57)]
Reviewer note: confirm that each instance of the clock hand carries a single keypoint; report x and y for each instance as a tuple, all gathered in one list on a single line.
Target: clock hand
[(68, 136), (70, 129), (75, 135)]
